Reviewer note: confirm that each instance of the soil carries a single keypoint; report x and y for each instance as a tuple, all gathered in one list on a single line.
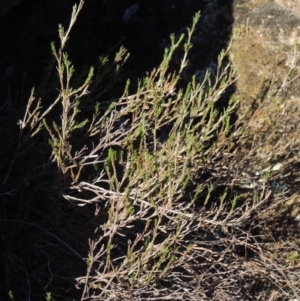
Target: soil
[(265, 51)]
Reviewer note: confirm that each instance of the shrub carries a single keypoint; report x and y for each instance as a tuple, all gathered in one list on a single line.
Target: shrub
[(170, 213)]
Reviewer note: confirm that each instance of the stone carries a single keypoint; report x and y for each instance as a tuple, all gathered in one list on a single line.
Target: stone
[(265, 53)]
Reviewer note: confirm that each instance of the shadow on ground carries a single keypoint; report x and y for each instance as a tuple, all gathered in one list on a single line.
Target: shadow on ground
[(44, 239)]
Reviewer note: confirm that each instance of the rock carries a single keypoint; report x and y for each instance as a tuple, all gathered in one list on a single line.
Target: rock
[(265, 53)]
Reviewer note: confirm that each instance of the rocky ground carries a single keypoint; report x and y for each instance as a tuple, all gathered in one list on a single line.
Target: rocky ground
[(266, 52)]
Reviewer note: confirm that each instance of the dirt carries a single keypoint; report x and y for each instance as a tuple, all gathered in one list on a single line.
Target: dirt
[(265, 51)]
